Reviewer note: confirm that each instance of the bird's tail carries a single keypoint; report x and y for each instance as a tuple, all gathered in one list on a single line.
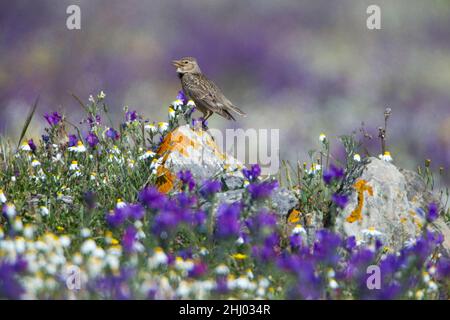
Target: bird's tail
[(237, 110)]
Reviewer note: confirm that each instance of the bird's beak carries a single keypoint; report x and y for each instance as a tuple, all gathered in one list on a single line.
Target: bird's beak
[(176, 63)]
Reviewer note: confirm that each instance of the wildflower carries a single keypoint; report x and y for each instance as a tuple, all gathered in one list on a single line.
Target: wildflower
[(239, 256), (131, 116), (357, 157), (2, 197), (333, 284), (120, 204), (79, 147), (53, 119), (129, 238), (9, 210), (91, 99), (386, 156), (191, 104), (187, 179), (85, 233), (253, 173), (35, 163), (88, 247), (44, 211), (152, 198), (340, 200), (299, 230), (72, 140), (74, 165), (228, 224), (314, 168), (371, 232), (433, 212), (163, 126), (101, 95), (150, 127), (322, 137), (92, 139), (210, 188), (262, 190), (147, 154), (25, 147), (334, 173), (158, 258), (222, 269), (181, 97), (112, 134), (32, 145)]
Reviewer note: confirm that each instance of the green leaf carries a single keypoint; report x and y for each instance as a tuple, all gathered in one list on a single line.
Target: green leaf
[(27, 121)]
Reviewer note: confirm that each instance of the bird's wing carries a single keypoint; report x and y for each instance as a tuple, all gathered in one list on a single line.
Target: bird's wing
[(205, 92)]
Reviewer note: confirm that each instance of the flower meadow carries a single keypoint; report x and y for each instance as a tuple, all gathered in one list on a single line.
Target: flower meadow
[(83, 218)]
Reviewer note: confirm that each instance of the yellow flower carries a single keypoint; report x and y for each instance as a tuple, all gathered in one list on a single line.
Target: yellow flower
[(60, 229), (239, 256), (114, 241)]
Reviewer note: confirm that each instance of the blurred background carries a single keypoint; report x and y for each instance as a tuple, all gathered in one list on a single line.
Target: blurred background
[(304, 67)]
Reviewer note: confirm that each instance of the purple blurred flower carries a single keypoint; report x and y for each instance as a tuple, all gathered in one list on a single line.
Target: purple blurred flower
[(210, 188), (112, 134), (53, 119), (152, 198), (334, 173), (187, 179), (260, 221), (350, 243), (181, 96), (32, 145), (262, 190), (340, 200), (198, 270), (92, 139), (199, 218), (131, 116), (93, 121), (253, 173), (228, 224), (73, 140), (90, 198), (10, 286), (129, 238), (433, 212)]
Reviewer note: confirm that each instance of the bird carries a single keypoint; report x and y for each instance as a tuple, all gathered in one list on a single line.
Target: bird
[(207, 96)]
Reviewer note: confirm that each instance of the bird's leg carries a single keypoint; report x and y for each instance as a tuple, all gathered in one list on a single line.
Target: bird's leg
[(205, 118)]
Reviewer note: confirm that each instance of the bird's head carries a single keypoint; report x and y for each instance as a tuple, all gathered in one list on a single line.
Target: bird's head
[(186, 65)]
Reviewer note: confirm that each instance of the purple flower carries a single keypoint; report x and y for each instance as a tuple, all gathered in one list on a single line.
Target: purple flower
[(198, 270), (334, 173), (53, 119), (187, 179), (228, 224), (262, 190), (181, 96), (95, 121), (340, 200), (32, 145), (131, 116), (210, 188), (261, 221), (129, 238), (350, 243), (90, 198), (199, 218), (112, 134), (73, 140), (295, 241), (117, 217), (10, 286), (253, 173), (152, 198), (433, 212), (92, 139)]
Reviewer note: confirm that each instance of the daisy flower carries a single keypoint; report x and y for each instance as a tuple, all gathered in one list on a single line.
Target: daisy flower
[(386, 156), (2, 197), (35, 163), (79, 147), (322, 137), (150, 127), (163, 126), (191, 103), (371, 232), (177, 104), (357, 157), (299, 229), (147, 154), (25, 147), (74, 165), (120, 203)]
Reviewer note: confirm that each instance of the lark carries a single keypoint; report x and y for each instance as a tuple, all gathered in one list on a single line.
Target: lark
[(208, 98)]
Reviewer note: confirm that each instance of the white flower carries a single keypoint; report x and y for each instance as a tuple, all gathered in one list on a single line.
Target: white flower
[(240, 241), (85, 232), (432, 286), (371, 232), (101, 95), (44, 211), (163, 126), (2, 197), (158, 258), (322, 137), (131, 163), (91, 98), (120, 204), (333, 284), (171, 113), (177, 104), (357, 157), (57, 158), (314, 168), (88, 246), (13, 178), (25, 147), (74, 165), (35, 163), (147, 154), (386, 156), (18, 225), (222, 269), (155, 165), (28, 231), (79, 147), (191, 103), (115, 150), (299, 230), (151, 128), (9, 210), (419, 294)]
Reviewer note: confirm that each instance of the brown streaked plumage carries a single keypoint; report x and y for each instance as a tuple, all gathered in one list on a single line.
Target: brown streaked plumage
[(208, 98)]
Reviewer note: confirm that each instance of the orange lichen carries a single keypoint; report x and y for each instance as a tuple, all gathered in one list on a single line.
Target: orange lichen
[(294, 216), (360, 186)]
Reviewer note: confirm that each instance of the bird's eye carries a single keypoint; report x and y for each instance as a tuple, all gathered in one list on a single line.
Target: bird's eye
[(185, 62)]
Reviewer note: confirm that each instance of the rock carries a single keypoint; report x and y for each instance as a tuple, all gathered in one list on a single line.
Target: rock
[(283, 200), (187, 149), (390, 201)]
